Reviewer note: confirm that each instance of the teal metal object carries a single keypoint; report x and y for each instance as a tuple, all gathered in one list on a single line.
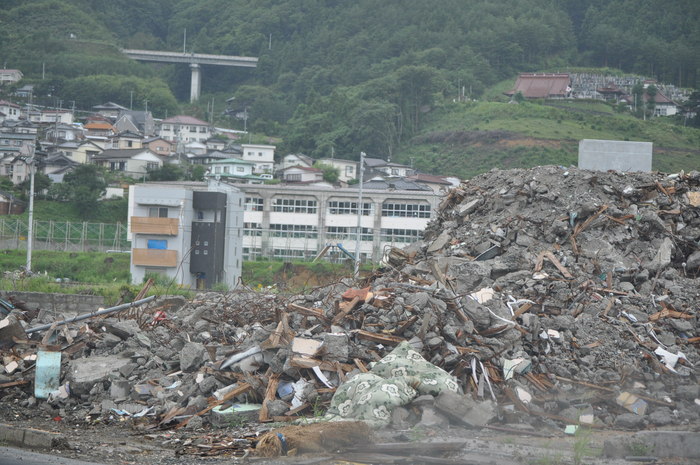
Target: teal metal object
[(47, 377)]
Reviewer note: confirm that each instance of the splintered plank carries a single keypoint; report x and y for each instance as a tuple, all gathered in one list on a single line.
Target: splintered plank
[(378, 338), (236, 392), (315, 312), (270, 392)]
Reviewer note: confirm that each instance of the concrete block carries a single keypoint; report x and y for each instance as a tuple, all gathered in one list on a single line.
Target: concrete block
[(192, 356), (11, 436), (604, 155), (84, 373), (39, 439)]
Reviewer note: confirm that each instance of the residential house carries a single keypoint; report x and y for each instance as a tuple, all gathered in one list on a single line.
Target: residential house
[(25, 91), (440, 184), (158, 145), (379, 167), (10, 110), (56, 165), (80, 151), (347, 169), (10, 76), (132, 162), (63, 132), (19, 127), (20, 144), (302, 174), (109, 110), (547, 86), (126, 140), (195, 148), (233, 170), (56, 116), (16, 168), (211, 157), (262, 155), (215, 144), (33, 115), (140, 122), (185, 128), (294, 159), (101, 129)]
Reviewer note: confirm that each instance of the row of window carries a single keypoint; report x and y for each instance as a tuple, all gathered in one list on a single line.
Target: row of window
[(283, 205), (337, 207), (332, 232), (175, 128)]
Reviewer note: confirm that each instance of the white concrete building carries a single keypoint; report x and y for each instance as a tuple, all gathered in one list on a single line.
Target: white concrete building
[(296, 222), (185, 129), (262, 155), (11, 111), (56, 116), (189, 232)]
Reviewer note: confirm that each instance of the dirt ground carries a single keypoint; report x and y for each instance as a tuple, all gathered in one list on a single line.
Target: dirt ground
[(121, 443)]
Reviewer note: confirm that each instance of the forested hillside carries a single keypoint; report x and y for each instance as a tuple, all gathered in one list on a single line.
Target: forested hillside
[(336, 75)]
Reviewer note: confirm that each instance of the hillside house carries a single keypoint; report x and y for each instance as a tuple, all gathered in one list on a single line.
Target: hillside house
[(80, 151), (63, 133), (302, 174), (294, 159), (379, 167), (56, 116), (10, 76), (139, 122), (10, 111), (126, 140), (132, 162), (158, 145), (185, 128), (56, 165), (234, 170), (100, 128), (109, 110), (347, 169), (262, 155), (548, 86)]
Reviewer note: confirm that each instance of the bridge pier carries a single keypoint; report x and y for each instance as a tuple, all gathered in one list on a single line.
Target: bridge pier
[(195, 83)]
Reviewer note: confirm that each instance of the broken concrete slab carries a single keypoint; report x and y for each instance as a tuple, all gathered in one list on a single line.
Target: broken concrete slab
[(84, 373)]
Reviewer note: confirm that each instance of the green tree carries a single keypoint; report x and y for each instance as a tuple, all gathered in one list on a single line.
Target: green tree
[(41, 183), (168, 172), (86, 184), (330, 173), (651, 93)]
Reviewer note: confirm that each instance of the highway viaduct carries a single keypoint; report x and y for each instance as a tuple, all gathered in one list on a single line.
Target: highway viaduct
[(194, 60)]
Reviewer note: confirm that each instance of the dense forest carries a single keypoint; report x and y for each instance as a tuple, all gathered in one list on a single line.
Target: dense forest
[(334, 75)]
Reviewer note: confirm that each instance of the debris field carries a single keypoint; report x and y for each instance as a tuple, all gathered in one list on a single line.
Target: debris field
[(551, 298)]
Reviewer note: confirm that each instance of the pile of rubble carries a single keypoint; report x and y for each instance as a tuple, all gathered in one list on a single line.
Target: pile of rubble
[(552, 297)]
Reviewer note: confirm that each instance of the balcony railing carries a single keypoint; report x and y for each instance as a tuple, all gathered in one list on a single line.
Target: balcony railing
[(154, 257), (149, 225)]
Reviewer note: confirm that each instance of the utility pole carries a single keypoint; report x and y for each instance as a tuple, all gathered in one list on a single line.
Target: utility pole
[(184, 42), (356, 274), (131, 100), (30, 226)]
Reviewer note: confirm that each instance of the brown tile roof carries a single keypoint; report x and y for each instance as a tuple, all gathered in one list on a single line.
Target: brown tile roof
[(542, 85), (184, 119)]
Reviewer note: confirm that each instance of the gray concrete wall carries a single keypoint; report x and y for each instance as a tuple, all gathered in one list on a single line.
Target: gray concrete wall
[(56, 305), (604, 155)]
